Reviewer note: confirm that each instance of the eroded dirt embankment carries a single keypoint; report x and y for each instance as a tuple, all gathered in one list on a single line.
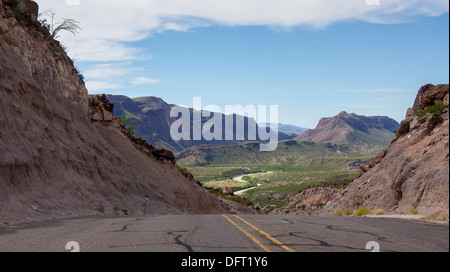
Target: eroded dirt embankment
[(55, 161)]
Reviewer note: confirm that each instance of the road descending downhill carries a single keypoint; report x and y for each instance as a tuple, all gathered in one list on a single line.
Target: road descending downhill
[(226, 233), (240, 179)]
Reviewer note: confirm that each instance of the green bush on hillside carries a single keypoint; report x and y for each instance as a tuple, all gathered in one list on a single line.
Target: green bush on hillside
[(436, 108), (117, 210), (21, 9), (362, 212), (434, 121), (131, 127)]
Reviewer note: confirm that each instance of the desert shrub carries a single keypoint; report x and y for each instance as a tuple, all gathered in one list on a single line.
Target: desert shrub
[(437, 216), (344, 212), (126, 122), (80, 75), (117, 210), (414, 211), (438, 107), (378, 212), (47, 20), (362, 212), (21, 9), (435, 120), (181, 168)]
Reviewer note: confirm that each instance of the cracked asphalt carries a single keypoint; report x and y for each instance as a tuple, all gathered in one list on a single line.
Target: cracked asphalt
[(216, 233)]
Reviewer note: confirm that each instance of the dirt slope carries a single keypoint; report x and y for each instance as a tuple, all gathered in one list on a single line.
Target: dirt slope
[(55, 161)]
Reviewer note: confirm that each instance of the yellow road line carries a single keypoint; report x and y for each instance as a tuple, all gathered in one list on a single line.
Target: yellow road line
[(267, 235), (248, 234)]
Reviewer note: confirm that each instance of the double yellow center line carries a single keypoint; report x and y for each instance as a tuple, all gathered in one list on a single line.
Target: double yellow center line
[(260, 231)]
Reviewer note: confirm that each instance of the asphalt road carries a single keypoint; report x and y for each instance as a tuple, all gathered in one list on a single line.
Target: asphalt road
[(226, 233)]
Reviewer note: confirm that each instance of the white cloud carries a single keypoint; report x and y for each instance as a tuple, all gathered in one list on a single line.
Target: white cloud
[(106, 71), (94, 86), (97, 50), (362, 91), (145, 81), (108, 26), (116, 75)]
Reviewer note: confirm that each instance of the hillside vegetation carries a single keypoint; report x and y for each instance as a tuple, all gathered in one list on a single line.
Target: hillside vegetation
[(249, 153), (293, 167)]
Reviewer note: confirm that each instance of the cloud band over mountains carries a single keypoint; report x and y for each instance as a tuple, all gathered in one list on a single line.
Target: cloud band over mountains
[(108, 26)]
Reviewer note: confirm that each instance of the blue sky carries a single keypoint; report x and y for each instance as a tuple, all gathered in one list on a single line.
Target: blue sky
[(372, 63)]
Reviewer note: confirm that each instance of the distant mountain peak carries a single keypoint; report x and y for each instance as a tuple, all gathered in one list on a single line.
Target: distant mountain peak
[(356, 130), (342, 113)]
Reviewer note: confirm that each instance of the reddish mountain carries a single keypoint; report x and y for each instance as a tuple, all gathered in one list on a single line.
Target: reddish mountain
[(363, 133)]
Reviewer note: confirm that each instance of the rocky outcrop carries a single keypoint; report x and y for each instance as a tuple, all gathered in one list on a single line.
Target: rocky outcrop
[(228, 191), (164, 155), (414, 172), (100, 109), (429, 95), (365, 167), (63, 155)]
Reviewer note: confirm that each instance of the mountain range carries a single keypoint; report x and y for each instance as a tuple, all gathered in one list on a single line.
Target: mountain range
[(151, 116), (343, 134)]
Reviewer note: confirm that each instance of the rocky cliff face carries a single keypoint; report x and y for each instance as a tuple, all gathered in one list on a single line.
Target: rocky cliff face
[(64, 155), (414, 172)]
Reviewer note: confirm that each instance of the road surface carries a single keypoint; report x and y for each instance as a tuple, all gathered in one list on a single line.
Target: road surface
[(225, 233)]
